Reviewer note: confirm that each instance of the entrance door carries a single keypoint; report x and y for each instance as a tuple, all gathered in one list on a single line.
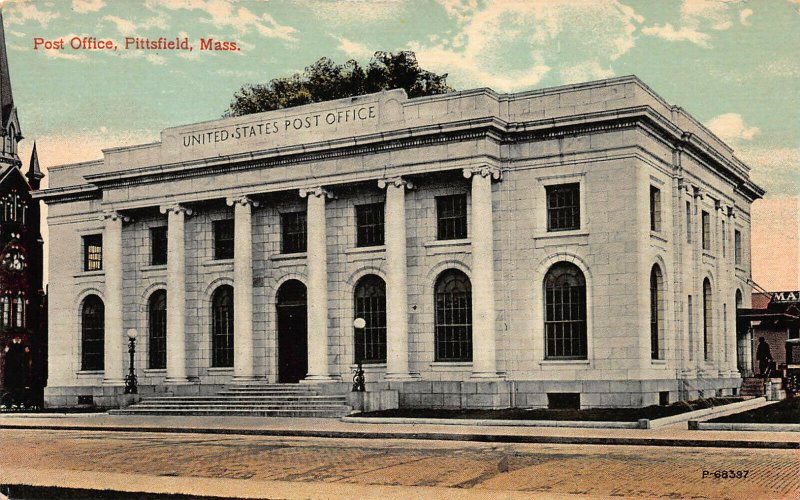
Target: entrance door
[(292, 332)]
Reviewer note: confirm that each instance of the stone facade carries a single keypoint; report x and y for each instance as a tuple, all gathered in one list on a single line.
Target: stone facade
[(616, 139)]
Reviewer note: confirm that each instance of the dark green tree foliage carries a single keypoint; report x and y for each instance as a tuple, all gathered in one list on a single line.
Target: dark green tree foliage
[(325, 80)]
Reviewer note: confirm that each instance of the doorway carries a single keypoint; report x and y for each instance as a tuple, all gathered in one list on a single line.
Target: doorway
[(292, 332)]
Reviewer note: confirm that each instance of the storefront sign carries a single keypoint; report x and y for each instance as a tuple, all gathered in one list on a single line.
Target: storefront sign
[(785, 297)]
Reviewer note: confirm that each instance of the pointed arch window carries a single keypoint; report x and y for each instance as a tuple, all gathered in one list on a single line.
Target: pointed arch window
[(369, 300), (565, 312), (222, 327), (453, 330), (157, 319), (92, 333)]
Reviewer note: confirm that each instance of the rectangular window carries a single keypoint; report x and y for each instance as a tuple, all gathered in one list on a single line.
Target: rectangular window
[(451, 217), (706, 221), (688, 222), (223, 239), (737, 246), (158, 245), (293, 232), (93, 252), (563, 207), (724, 240), (655, 209), (369, 225)]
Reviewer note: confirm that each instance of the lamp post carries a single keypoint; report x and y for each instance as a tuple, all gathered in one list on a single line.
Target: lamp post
[(358, 377), (130, 378)]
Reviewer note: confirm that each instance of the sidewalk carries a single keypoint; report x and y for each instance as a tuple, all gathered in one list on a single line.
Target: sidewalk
[(671, 435)]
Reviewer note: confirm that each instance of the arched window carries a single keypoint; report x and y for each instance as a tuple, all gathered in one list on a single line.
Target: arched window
[(707, 318), (369, 301), (92, 333), (453, 332), (5, 305), (656, 313), (18, 310), (157, 309), (565, 312), (222, 327)]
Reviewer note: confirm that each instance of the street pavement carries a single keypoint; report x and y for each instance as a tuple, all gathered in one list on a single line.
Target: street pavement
[(253, 466)]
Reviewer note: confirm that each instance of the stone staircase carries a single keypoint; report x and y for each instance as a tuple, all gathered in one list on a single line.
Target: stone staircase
[(752, 387), (250, 400)]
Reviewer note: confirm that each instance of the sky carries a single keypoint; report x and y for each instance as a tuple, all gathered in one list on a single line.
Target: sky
[(733, 65)]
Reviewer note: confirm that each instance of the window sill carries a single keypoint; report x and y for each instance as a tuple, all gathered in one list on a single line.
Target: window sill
[(447, 246), (562, 234), (288, 256), (365, 253), (155, 371), (369, 367), (376, 248), (707, 254), (220, 370), (441, 366), (740, 269), (564, 362), (658, 362), (218, 263), (90, 274), (657, 235), (154, 268), (90, 373)]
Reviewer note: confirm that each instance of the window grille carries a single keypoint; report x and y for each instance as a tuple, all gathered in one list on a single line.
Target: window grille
[(93, 252), (369, 225), (453, 317), (158, 330), (370, 304), (222, 327), (451, 217), (293, 232), (563, 207), (92, 333), (565, 312)]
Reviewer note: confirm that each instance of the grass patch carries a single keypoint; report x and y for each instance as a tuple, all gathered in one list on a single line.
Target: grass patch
[(591, 415), (783, 412)]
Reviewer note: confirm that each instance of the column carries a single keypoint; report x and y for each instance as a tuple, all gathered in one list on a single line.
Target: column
[(114, 342), (243, 367), (317, 269), (397, 367), (176, 293), (484, 348)]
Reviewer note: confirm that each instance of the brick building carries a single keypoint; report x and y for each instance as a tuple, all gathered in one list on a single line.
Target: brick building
[(582, 244)]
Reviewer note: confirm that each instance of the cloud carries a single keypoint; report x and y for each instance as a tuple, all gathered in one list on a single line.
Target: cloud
[(731, 127), (22, 12), (669, 33), (224, 13), (124, 26), (744, 16), (355, 11), (583, 72), (354, 50), (129, 27), (514, 44), (84, 6), (773, 168)]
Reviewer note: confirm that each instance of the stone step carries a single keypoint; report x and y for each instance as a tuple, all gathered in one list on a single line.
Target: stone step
[(189, 399), (236, 413), (239, 407)]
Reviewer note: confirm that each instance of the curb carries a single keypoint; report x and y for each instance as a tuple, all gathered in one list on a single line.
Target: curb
[(707, 412), (438, 436), (694, 425), (585, 424)]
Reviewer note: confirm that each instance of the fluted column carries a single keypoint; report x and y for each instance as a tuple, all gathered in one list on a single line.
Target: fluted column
[(317, 268), (114, 370), (397, 367), (176, 293), (484, 347), (243, 366)]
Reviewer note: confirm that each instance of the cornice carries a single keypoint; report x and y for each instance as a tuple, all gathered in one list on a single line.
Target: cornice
[(489, 128)]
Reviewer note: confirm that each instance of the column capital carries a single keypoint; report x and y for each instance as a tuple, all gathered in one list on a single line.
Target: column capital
[(319, 192), (241, 200), (698, 192), (176, 208), (114, 216), (483, 171), (731, 211), (397, 182)]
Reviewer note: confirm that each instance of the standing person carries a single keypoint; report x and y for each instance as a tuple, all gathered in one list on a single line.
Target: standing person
[(763, 356)]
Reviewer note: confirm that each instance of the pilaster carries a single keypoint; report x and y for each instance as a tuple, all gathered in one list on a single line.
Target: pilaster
[(114, 371)]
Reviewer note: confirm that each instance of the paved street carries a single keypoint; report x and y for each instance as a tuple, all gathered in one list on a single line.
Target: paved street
[(341, 468)]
